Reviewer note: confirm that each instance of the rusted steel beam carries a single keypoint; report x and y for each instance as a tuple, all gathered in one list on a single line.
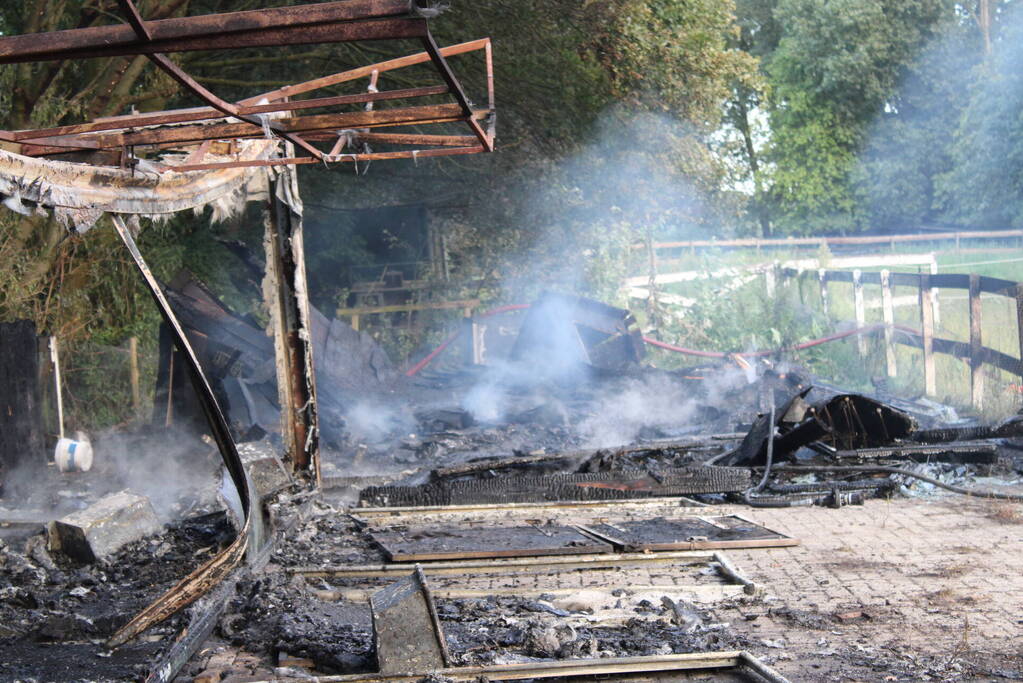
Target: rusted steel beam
[(340, 158), (135, 19), (365, 71), (421, 140), (448, 75), (437, 113), (206, 113), (328, 22)]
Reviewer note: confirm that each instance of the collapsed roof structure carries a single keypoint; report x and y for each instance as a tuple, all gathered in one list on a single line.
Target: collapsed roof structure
[(224, 153)]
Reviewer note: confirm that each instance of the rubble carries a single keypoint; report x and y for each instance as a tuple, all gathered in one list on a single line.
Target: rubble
[(103, 528)]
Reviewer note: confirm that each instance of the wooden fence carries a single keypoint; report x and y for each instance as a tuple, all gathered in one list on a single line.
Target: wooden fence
[(855, 240), (926, 284)]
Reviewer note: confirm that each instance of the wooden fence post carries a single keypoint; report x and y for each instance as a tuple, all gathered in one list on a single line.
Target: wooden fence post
[(57, 384), (935, 294), (769, 281), (861, 316), (133, 367), (822, 276), (888, 310), (976, 362), (1019, 325), (927, 323)]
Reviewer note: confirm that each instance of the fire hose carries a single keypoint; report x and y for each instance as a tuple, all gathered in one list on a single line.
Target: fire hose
[(869, 329)]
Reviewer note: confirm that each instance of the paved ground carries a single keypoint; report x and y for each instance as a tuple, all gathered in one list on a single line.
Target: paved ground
[(901, 590), (939, 584)]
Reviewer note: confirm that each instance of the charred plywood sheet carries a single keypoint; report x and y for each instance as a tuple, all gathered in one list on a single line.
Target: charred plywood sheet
[(451, 542), (687, 533)]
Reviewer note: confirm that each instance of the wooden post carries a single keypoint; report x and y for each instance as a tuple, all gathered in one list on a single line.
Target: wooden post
[(935, 294), (133, 367), (822, 276), (21, 434), (1019, 325), (927, 323), (769, 281), (355, 323), (976, 362), (889, 322), (55, 359), (169, 417), (861, 317), (286, 292)]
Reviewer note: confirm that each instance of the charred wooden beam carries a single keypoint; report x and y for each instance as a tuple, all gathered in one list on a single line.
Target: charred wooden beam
[(287, 297), (21, 436), (329, 22)]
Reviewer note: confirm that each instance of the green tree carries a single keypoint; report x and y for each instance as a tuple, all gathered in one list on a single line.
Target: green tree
[(984, 184), (836, 68)]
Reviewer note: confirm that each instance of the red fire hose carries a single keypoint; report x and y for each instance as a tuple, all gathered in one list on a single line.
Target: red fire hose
[(869, 329), (447, 342)]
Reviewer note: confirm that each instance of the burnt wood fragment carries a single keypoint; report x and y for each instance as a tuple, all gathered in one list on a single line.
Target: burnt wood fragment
[(21, 435)]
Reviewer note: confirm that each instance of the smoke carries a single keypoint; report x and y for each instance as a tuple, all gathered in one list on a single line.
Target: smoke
[(178, 471), (375, 422), (634, 179), (580, 215), (657, 403)]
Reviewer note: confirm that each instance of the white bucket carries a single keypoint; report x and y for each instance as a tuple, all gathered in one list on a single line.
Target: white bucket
[(73, 455)]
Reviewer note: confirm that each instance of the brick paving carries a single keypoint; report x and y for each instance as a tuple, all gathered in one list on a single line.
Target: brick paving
[(933, 577)]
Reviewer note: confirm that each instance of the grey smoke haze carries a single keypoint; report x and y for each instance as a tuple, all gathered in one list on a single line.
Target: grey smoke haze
[(590, 208), (174, 469)]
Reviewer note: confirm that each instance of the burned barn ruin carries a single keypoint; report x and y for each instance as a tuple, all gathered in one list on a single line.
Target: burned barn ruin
[(532, 499)]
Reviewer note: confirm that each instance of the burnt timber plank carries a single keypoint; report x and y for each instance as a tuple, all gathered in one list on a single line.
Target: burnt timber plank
[(613, 669), (21, 437)]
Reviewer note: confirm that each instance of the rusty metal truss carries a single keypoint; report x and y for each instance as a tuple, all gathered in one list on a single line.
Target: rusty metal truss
[(209, 137)]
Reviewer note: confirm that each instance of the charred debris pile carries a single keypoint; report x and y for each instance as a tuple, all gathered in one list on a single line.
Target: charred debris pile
[(554, 402)]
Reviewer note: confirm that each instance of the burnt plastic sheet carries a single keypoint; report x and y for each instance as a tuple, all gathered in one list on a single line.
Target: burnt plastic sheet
[(687, 533), (453, 543)]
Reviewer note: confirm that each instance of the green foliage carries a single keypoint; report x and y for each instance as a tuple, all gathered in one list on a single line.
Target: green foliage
[(836, 69), (983, 185)]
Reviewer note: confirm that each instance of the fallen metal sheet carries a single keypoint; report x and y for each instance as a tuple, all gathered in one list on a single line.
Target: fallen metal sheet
[(609, 669), (451, 542), (214, 571), (687, 533), (79, 193), (560, 331), (406, 630)]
